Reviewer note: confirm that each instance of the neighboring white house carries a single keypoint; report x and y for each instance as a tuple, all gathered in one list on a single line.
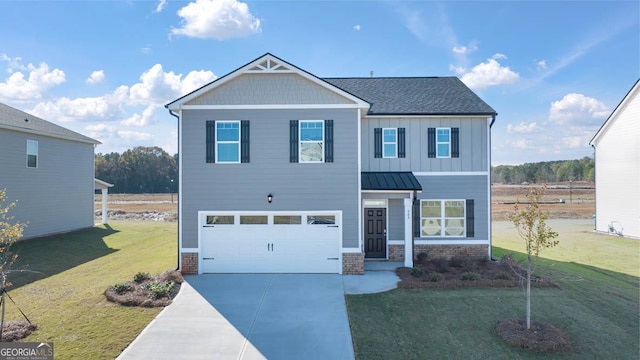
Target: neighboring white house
[(617, 155), (48, 171)]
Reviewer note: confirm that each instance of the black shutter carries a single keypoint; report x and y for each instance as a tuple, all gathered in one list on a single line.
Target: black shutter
[(293, 141), (470, 218), (328, 141), (416, 218), (455, 142), (211, 141), (377, 142), (431, 142), (244, 141), (401, 143)]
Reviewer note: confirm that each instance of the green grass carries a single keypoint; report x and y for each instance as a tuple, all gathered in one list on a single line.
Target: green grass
[(65, 296), (596, 306)]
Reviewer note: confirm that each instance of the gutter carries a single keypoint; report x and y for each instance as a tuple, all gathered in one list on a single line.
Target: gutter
[(493, 119), (179, 197)]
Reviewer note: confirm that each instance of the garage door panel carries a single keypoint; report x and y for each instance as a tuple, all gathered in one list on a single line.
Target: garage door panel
[(279, 248)]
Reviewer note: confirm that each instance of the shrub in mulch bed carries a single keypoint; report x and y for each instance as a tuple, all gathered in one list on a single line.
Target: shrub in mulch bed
[(459, 273), (541, 337), (146, 290), (17, 330)]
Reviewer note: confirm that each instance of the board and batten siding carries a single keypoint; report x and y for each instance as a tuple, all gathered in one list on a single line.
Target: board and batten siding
[(473, 144), (618, 171), (245, 186), (58, 195), (269, 89), (460, 188)]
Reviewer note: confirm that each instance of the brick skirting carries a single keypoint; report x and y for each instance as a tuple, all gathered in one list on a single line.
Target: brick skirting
[(352, 263), (449, 251), (396, 252), (189, 264)]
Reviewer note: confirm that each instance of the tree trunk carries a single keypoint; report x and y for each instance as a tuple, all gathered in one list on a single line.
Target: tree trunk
[(4, 281), (529, 292)]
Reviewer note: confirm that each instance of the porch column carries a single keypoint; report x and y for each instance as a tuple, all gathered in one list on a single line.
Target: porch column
[(105, 196), (408, 233)]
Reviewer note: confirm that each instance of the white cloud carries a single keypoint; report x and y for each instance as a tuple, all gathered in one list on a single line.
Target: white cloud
[(158, 87), (578, 107), (521, 128), (161, 5), (573, 142), (145, 49), (96, 77), (13, 64), (457, 69), (499, 56), (134, 135), (542, 65), (217, 19), (520, 144), (465, 50), (143, 119), (39, 80), (356, 28), (490, 73)]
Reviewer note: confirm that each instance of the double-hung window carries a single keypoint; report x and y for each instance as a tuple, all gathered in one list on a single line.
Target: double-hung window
[(227, 142), (311, 141), (389, 142), (32, 154), (443, 218), (443, 142)]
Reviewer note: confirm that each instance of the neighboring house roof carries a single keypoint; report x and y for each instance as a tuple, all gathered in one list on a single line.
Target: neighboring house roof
[(634, 91), (415, 95), (101, 184), (404, 180), (17, 120)]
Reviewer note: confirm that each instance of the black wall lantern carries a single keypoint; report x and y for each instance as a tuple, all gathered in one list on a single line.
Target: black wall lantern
[(269, 198)]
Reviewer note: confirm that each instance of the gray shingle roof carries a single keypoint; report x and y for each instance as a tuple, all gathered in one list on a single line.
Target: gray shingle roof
[(400, 180), (14, 119), (415, 95)]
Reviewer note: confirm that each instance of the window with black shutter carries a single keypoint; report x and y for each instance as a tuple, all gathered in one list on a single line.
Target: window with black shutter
[(293, 141), (377, 143), (210, 141), (328, 141)]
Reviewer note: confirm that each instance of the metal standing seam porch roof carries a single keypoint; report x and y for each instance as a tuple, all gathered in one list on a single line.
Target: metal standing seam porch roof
[(404, 180)]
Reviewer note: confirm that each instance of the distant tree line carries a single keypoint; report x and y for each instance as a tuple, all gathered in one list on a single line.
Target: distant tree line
[(139, 170), (545, 172)]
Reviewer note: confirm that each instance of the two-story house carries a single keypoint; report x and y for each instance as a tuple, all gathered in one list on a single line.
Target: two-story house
[(282, 171)]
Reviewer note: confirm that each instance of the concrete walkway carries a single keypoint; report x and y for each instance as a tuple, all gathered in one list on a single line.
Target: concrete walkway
[(257, 316)]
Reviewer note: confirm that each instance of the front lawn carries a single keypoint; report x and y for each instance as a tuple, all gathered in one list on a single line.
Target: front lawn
[(64, 294), (596, 306)]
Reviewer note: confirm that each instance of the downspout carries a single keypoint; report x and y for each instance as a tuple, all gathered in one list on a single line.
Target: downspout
[(595, 191), (179, 195), (493, 120)]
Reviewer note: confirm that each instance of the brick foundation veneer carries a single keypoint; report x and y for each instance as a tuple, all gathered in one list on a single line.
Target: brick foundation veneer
[(189, 264), (396, 252), (449, 251), (352, 263)]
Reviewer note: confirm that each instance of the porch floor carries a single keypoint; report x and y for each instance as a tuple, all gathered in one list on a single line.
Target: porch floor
[(374, 265)]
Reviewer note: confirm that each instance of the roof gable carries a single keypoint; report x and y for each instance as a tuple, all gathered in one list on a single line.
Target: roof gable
[(267, 64), (17, 120), (629, 97)]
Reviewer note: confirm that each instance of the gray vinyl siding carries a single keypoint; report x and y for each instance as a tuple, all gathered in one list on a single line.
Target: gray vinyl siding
[(460, 187), (269, 89), (294, 186), (396, 219), (58, 195), (473, 145)]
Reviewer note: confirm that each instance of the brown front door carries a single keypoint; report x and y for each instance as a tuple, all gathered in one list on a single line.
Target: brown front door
[(375, 233)]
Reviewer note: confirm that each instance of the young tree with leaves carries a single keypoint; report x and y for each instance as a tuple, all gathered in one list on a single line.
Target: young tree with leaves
[(10, 232), (530, 221)]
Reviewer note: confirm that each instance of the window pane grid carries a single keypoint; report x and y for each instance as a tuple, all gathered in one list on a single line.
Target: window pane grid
[(443, 142), (389, 143), (311, 141), (443, 218), (228, 141)]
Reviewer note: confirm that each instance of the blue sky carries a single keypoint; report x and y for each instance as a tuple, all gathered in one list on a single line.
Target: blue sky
[(553, 70)]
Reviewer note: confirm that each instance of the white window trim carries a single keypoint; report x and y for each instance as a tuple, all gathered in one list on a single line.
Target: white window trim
[(443, 218), (36, 154), (395, 143), (300, 142), (441, 142), (217, 152)]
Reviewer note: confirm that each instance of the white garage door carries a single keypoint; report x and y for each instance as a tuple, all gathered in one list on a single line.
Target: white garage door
[(270, 242)]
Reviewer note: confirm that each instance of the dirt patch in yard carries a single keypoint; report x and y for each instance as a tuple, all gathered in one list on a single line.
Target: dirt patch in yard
[(540, 337), (462, 273), (17, 330)]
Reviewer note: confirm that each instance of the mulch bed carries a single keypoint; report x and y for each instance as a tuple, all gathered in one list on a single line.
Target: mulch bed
[(541, 337), (139, 296), (463, 273), (17, 330)]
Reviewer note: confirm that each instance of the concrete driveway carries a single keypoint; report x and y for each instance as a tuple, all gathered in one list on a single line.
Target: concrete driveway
[(250, 316)]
